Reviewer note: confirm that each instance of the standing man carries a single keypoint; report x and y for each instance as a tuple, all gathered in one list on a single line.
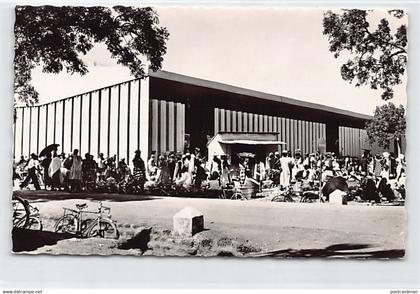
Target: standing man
[(54, 172), (33, 167), (101, 163), (45, 163), (151, 165), (285, 162), (76, 172), (139, 172)]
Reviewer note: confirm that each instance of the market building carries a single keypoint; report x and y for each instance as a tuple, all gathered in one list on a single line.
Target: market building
[(173, 112)]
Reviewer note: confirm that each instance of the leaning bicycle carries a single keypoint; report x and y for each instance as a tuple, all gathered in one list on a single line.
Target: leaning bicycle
[(25, 215), (83, 223), (21, 212)]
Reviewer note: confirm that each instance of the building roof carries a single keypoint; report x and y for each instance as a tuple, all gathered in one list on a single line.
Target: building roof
[(252, 93)]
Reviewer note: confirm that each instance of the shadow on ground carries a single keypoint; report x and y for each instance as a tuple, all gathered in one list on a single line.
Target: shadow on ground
[(30, 240), (337, 251), (139, 241), (44, 196)]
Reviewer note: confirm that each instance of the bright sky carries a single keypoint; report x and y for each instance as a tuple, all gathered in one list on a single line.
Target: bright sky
[(276, 51)]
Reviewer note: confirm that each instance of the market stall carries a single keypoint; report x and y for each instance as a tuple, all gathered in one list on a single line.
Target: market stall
[(242, 149)]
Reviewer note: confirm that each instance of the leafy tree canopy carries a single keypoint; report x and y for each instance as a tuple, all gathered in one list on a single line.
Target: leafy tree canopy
[(56, 37), (379, 55), (388, 124)]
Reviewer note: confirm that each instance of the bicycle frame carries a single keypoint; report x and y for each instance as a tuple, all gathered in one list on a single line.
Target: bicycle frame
[(78, 217)]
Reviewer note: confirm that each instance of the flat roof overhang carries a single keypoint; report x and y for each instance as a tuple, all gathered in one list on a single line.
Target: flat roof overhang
[(176, 87)]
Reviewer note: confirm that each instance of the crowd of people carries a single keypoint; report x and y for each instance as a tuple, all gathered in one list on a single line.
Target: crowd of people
[(384, 173), (76, 174), (190, 171)]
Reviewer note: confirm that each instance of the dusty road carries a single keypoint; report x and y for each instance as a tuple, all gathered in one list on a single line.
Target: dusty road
[(279, 229)]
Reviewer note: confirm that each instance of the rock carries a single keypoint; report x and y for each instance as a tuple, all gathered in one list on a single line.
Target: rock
[(338, 197), (188, 222)]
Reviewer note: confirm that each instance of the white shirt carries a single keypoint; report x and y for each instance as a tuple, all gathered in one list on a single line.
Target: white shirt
[(33, 163)]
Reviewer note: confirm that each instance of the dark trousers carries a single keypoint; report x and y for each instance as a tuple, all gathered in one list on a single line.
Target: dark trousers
[(76, 185), (31, 177), (55, 182)]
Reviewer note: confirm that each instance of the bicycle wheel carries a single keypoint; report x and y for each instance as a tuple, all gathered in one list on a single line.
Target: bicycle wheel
[(34, 224), (288, 198), (103, 228), (309, 198), (277, 198), (235, 196), (66, 224), (21, 212)]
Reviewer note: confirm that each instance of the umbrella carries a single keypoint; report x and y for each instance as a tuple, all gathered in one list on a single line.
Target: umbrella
[(48, 149)]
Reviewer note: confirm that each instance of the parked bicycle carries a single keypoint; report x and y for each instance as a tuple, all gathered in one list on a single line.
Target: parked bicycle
[(284, 196), (80, 222), (25, 215), (20, 212)]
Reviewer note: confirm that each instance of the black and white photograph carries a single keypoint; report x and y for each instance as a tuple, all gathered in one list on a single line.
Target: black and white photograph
[(210, 132)]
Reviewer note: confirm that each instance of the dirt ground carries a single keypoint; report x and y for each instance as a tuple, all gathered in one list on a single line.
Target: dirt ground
[(232, 228)]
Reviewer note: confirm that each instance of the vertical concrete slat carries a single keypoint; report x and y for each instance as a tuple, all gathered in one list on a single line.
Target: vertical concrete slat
[(37, 129), (286, 132), (80, 123), (222, 120), (228, 121), (339, 140), (180, 138), (30, 131), (274, 124), (239, 116), (154, 126), (307, 138), (182, 119), (292, 135), (216, 121), (71, 123), (282, 130), (144, 106), (90, 119), (14, 134), (265, 123), (346, 140), (311, 137), (108, 129), (256, 123), (244, 119), (23, 132), (316, 135), (118, 121), (171, 126), (250, 122), (163, 129), (128, 120), (55, 122), (299, 136), (234, 121), (138, 114), (303, 138), (99, 122), (46, 126)]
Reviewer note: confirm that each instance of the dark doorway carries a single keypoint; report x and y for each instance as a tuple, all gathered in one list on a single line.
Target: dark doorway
[(199, 123), (332, 137)]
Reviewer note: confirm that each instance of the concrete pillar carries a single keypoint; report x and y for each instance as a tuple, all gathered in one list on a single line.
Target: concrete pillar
[(144, 118)]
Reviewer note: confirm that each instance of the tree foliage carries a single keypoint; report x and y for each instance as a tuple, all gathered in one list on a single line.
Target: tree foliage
[(388, 124), (379, 55), (56, 38)]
